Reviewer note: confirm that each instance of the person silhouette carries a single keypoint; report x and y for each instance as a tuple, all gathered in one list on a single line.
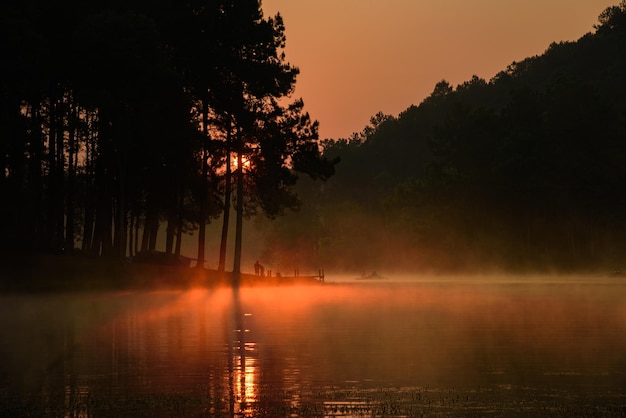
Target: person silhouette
[(257, 268)]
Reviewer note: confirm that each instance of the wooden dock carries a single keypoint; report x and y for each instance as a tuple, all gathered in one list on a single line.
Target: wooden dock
[(278, 279)]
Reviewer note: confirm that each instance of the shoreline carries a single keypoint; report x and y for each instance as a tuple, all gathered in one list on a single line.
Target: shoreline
[(56, 273)]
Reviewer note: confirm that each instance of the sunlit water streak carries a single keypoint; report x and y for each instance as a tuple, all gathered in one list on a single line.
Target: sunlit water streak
[(405, 348)]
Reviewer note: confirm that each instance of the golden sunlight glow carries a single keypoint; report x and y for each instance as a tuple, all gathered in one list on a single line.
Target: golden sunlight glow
[(245, 381), (245, 160)]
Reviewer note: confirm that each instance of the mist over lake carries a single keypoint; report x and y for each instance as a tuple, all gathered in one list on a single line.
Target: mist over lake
[(174, 219), (452, 346)]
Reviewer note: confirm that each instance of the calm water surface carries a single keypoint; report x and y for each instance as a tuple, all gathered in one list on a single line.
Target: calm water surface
[(411, 348)]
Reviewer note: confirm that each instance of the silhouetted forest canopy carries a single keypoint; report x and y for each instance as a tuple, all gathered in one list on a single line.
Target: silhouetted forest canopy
[(524, 172), (121, 120)]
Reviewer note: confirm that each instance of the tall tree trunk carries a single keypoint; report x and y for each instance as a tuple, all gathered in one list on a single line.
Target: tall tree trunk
[(137, 225), (97, 240), (121, 223), (239, 223), (131, 231), (226, 218), (59, 204), (14, 210), (35, 180), (174, 215), (150, 225), (180, 217), (103, 234), (145, 234), (154, 230), (170, 231), (51, 227), (221, 265), (90, 151), (123, 231), (204, 185), (71, 178), (88, 225), (107, 225)]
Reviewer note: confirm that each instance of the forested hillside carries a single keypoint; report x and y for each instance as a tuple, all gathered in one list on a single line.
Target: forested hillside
[(526, 171)]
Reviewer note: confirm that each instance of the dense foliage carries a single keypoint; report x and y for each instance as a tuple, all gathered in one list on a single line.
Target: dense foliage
[(118, 117), (524, 171)]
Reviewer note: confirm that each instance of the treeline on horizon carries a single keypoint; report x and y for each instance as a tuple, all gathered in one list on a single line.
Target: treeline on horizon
[(524, 172), (123, 120)]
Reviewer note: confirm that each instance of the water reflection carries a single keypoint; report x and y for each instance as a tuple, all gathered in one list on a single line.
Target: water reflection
[(243, 366), (343, 350)]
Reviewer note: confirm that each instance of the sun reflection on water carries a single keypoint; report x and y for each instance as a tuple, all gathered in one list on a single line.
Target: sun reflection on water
[(244, 366), (245, 382)]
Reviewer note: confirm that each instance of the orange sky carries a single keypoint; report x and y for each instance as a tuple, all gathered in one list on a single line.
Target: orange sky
[(358, 57)]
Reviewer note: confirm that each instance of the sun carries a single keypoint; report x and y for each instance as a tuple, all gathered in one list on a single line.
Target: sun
[(221, 169), (244, 159)]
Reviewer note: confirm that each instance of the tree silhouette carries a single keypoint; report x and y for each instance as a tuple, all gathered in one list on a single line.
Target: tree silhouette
[(119, 117)]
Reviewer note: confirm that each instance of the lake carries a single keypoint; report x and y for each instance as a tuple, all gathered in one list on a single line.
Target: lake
[(540, 346)]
